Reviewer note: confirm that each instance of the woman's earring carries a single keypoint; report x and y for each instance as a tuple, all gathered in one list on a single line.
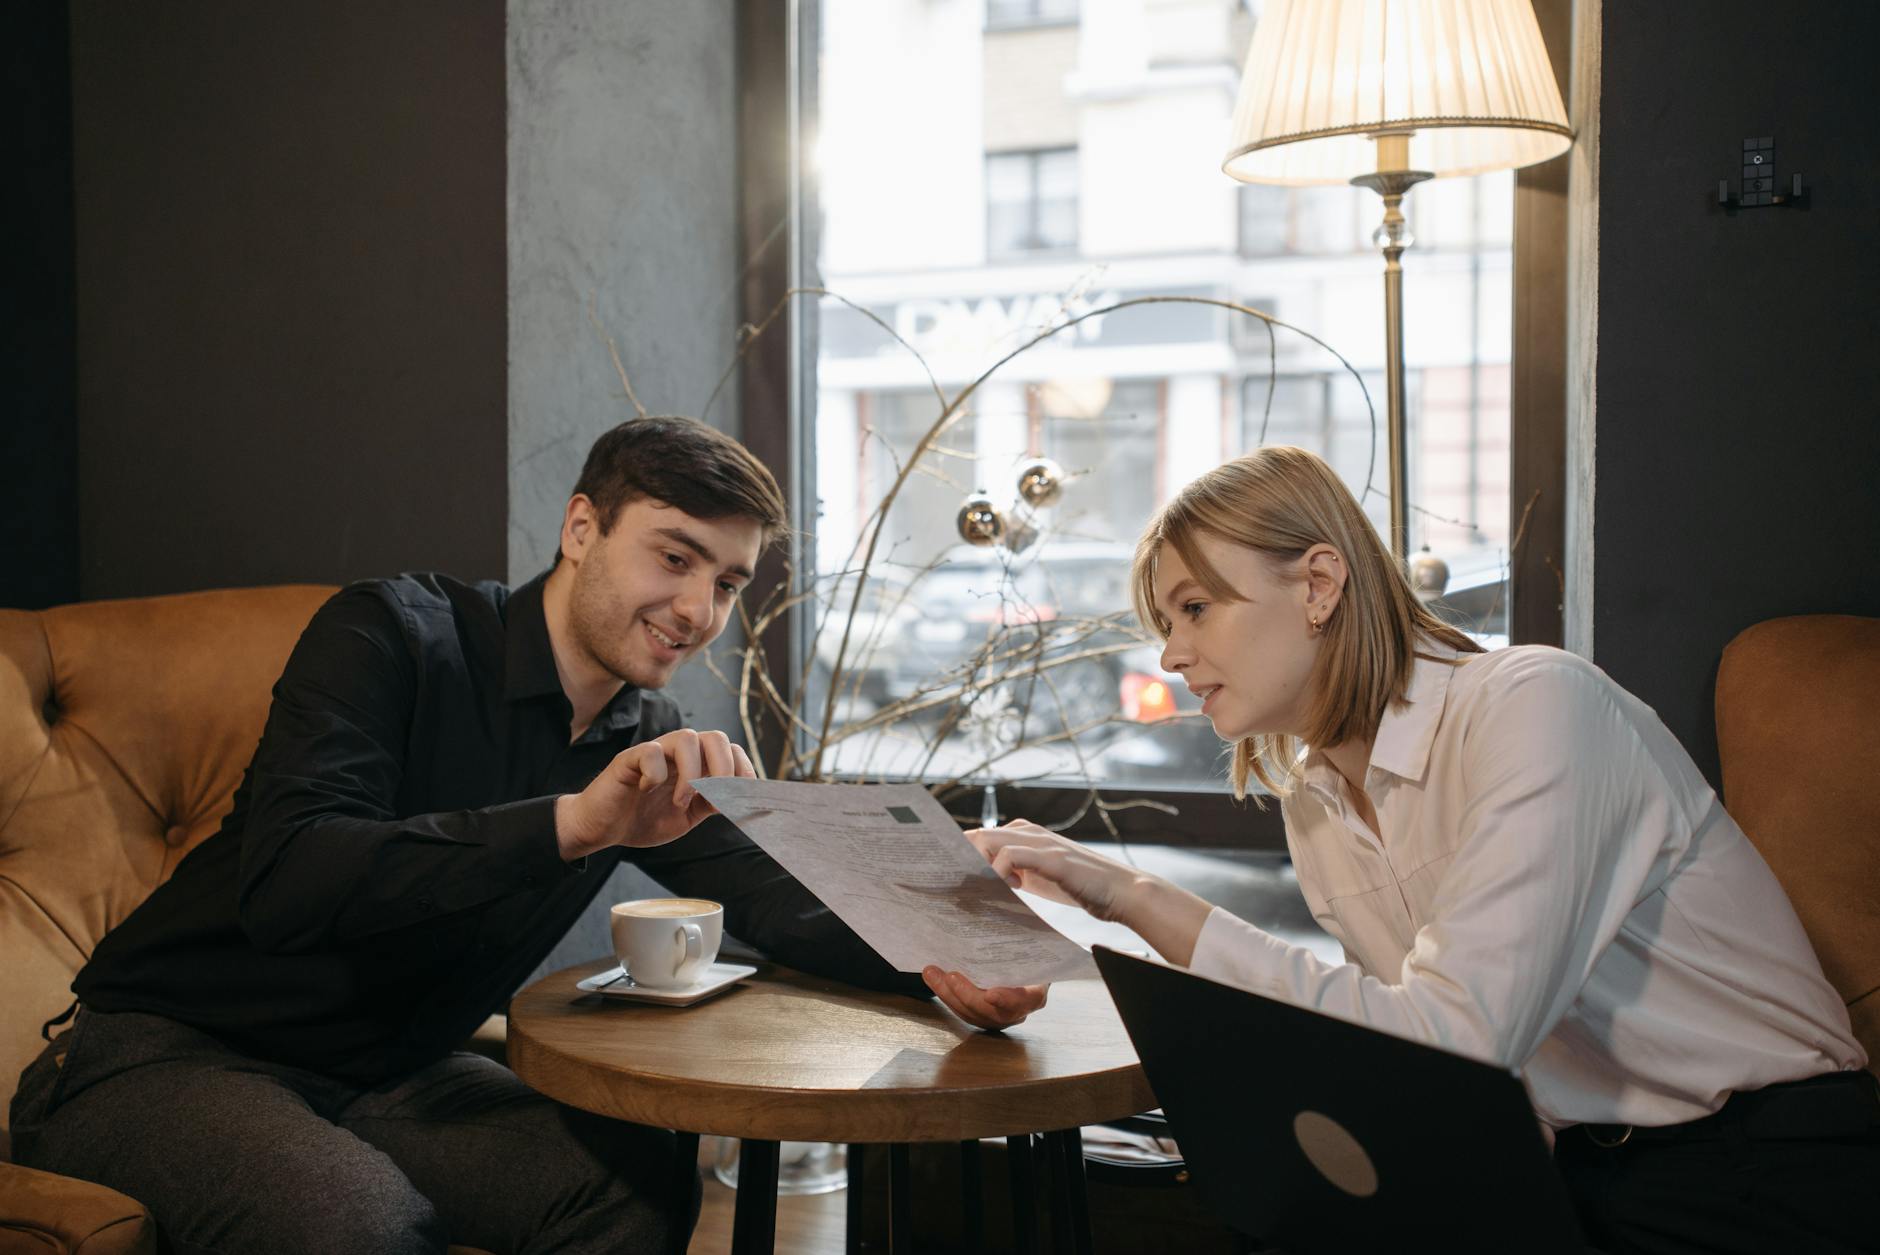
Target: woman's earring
[(1315, 626)]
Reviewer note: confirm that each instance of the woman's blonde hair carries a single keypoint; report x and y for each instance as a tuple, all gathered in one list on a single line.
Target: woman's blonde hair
[(1281, 501)]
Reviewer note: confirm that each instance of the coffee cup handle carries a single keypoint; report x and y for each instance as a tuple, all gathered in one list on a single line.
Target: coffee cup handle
[(692, 937)]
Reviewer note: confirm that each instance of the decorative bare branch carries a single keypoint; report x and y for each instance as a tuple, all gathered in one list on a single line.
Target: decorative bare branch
[(1021, 652)]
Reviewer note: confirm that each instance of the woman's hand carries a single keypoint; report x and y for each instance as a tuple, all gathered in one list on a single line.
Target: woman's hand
[(1039, 861), (991, 1009)]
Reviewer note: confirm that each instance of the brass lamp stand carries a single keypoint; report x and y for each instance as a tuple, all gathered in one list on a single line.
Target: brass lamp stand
[(1332, 86), (1391, 180)]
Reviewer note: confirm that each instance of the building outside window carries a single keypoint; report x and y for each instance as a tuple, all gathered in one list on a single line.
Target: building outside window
[(1031, 202), (1006, 14), (981, 181), (1266, 220)]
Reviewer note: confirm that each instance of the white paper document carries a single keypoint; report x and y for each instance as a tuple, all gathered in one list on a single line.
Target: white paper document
[(896, 868)]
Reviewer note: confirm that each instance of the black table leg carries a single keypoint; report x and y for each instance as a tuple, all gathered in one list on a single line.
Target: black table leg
[(852, 1241), (1078, 1196), (972, 1186), (685, 1181), (900, 1201), (1060, 1194), (754, 1222), (1024, 1194)]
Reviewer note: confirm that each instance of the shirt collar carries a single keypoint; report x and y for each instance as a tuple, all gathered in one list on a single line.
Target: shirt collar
[(529, 664), (1405, 734), (1407, 730), (620, 714)]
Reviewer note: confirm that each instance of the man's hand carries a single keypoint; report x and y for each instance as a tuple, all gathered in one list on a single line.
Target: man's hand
[(991, 1009), (645, 796)]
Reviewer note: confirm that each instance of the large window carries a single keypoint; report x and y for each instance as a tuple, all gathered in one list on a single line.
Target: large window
[(976, 187)]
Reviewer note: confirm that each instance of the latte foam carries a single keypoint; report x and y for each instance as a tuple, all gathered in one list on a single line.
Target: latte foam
[(667, 908)]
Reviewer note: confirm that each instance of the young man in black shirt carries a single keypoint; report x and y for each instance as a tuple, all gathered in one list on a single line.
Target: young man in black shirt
[(263, 1052)]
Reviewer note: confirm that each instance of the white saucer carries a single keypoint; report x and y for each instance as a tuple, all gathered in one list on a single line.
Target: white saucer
[(613, 983)]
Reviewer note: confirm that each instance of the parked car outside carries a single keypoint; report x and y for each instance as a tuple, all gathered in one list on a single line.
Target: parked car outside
[(1061, 607), (873, 634), (1168, 743)]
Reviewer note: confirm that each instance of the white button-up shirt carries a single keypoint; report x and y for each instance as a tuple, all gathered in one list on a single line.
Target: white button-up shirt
[(1555, 889)]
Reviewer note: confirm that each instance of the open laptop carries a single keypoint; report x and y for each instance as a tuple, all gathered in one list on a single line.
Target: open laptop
[(1314, 1134)]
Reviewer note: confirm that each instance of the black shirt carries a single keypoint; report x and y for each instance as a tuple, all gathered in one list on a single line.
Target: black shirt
[(389, 874)]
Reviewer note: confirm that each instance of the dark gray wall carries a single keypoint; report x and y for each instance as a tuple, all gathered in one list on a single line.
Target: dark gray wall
[(38, 429), (292, 334), (623, 194), (1738, 397), (623, 190)]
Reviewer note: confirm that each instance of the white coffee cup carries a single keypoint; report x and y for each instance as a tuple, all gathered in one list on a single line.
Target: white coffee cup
[(667, 943)]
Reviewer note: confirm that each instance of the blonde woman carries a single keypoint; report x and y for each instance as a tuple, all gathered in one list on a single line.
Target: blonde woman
[(1520, 861)]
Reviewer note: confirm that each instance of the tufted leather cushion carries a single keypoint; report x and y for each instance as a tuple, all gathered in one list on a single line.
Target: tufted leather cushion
[(1798, 732), (42, 1213), (50, 1214), (125, 727)]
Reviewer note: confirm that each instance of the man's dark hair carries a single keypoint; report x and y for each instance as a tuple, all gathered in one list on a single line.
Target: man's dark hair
[(680, 462)]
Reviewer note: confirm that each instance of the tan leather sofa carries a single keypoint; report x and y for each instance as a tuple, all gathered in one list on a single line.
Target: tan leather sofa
[(1798, 732), (125, 727)]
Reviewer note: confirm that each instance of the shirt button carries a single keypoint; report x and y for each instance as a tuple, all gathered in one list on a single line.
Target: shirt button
[(425, 903)]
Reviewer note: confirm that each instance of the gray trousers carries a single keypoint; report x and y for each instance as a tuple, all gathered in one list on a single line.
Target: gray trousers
[(234, 1154)]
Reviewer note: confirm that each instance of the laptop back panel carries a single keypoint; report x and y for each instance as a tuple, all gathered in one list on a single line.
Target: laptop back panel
[(1316, 1134)]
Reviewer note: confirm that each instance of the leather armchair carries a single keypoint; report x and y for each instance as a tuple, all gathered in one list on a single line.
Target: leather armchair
[(1798, 733), (125, 727)]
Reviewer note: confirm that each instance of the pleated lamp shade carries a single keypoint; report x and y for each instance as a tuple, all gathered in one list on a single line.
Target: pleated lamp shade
[(1468, 79)]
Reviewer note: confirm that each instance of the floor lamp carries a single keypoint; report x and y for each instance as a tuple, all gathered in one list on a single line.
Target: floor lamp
[(1386, 94)]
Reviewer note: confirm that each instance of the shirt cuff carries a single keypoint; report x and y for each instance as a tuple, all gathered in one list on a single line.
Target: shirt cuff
[(522, 842)]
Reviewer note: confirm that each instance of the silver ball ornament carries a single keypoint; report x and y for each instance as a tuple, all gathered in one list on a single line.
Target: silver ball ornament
[(1429, 574), (980, 522), (1040, 482)]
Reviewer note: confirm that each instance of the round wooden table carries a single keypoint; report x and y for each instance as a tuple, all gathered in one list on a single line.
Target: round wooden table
[(786, 1056)]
